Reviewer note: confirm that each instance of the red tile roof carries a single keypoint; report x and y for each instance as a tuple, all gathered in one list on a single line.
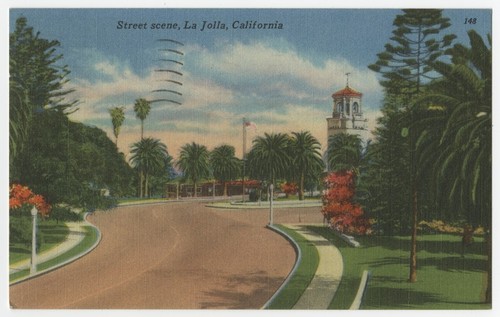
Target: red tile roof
[(348, 92)]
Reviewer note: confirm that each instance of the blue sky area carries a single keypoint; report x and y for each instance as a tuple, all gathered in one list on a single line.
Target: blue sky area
[(282, 79)]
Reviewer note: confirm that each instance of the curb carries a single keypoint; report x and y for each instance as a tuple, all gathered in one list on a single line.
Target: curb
[(298, 260), (263, 206), (356, 304), (70, 260)]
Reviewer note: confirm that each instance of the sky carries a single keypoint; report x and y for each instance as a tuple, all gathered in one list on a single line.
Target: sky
[(280, 79)]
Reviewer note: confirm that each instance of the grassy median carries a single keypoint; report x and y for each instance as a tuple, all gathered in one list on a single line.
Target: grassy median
[(91, 236), (302, 277), (446, 280), (52, 232)]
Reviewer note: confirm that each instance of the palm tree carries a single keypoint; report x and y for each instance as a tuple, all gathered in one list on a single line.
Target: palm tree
[(117, 118), (463, 100), (148, 156), (194, 163), (141, 109), (306, 157), (344, 152), (224, 164), (269, 157)]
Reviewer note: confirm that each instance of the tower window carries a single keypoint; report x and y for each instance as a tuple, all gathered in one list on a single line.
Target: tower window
[(355, 108), (340, 107)]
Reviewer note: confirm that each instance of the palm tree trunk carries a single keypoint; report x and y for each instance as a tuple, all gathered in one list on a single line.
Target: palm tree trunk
[(195, 190), (225, 189), (142, 129), (140, 184), (301, 187), (413, 252), (488, 240), (146, 191)]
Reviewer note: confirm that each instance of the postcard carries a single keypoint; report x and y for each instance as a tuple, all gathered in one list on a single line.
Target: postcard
[(230, 158)]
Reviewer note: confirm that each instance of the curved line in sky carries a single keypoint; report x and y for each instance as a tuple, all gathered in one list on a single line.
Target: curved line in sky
[(167, 90), (170, 60), (170, 50), (171, 81), (166, 100), (171, 41), (168, 71)]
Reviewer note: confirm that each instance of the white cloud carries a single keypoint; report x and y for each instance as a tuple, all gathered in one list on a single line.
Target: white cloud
[(219, 88), (259, 60)]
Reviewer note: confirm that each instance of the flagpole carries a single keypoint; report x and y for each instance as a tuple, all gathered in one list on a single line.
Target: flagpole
[(244, 158)]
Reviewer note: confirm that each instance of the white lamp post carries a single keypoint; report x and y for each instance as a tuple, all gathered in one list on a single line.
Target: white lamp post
[(271, 194), (34, 212)]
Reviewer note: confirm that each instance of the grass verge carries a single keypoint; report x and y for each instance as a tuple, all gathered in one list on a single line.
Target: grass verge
[(90, 238), (305, 272), (137, 201), (53, 233), (445, 279)]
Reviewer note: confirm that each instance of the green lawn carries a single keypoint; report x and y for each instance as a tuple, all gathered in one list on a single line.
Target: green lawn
[(88, 241), (53, 234), (302, 277), (445, 279)]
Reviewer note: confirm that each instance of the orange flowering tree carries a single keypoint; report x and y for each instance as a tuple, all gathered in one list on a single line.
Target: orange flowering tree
[(21, 196), (338, 207)]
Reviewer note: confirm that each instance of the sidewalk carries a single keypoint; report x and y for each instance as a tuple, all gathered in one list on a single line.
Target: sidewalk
[(75, 236), (326, 280)]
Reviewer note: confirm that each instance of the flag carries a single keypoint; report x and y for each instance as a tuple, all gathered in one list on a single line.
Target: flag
[(249, 124)]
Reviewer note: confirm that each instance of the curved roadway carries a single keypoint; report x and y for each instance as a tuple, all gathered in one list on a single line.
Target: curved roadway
[(175, 256)]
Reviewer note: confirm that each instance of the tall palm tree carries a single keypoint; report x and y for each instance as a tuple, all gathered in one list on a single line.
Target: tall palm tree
[(463, 99), (225, 165), (194, 163), (344, 152), (306, 157), (141, 109), (269, 157), (117, 117), (148, 156)]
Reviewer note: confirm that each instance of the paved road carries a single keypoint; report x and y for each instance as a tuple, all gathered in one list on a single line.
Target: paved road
[(181, 255)]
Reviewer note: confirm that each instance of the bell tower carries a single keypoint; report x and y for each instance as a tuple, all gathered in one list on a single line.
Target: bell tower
[(347, 115)]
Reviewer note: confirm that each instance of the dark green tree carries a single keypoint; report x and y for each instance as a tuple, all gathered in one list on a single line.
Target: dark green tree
[(194, 163), (269, 159), (149, 156), (37, 80), (69, 162), (344, 152), (406, 63), (384, 178), (406, 66), (225, 165), (459, 134), (117, 117), (142, 107), (306, 158)]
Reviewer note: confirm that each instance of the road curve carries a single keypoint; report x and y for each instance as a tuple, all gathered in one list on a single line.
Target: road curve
[(172, 256)]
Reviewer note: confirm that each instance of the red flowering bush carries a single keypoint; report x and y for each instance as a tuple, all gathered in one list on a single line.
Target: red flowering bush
[(289, 188), (343, 215), (20, 196)]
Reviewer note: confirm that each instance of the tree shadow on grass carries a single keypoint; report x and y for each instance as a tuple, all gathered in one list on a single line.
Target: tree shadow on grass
[(430, 243), (444, 263), (397, 298), (19, 250), (241, 291)]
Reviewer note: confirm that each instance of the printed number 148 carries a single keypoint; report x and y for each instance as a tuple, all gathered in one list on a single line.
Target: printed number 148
[(470, 20)]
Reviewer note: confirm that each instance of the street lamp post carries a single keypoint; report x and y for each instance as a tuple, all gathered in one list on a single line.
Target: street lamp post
[(271, 194), (34, 213)]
